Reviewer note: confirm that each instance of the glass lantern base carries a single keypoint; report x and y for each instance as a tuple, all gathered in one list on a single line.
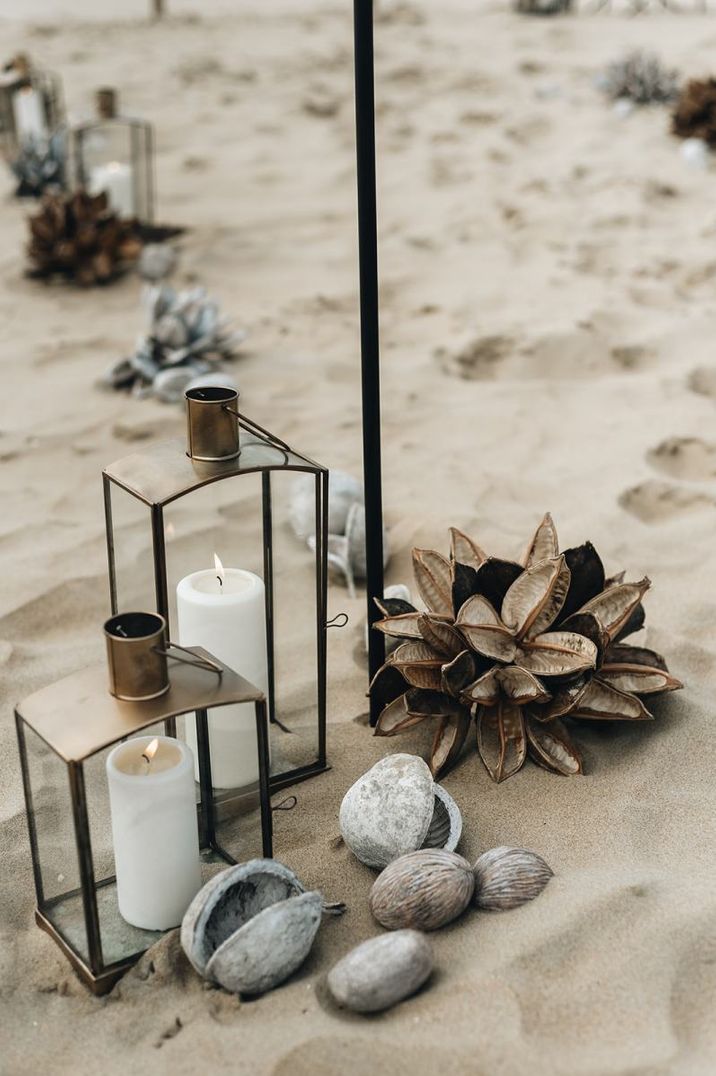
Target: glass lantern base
[(122, 943)]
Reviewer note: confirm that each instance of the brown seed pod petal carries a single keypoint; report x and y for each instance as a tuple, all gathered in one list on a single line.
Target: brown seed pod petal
[(460, 672), (534, 600), (441, 635), (557, 653), (614, 606), (640, 679), (449, 740), (544, 543), (601, 702), (394, 606), (623, 654), (433, 576), (405, 626), (485, 691), (587, 580), (551, 747), (423, 890), (464, 551), (492, 580), (484, 630), (521, 686), (501, 739), (564, 699), (508, 877), (396, 718), (419, 664)]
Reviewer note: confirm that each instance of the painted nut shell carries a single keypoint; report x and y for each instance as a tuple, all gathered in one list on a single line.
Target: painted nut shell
[(269, 948), (424, 890), (396, 808), (508, 877), (382, 971), (218, 931)]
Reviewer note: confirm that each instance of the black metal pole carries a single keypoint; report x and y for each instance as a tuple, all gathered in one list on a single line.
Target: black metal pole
[(369, 321)]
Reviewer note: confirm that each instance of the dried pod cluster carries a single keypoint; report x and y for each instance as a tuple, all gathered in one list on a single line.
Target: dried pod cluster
[(79, 237), (695, 113), (515, 647)]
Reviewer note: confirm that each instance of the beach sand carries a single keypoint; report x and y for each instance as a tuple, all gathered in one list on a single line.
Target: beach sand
[(548, 311)]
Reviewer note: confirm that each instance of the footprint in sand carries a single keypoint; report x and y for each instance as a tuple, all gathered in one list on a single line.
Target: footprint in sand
[(655, 502), (702, 380), (478, 360), (685, 457)]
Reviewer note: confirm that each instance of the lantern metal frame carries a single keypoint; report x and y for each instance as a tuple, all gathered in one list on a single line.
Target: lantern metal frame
[(49, 86), (141, 144), (105, 721), (164, 473)]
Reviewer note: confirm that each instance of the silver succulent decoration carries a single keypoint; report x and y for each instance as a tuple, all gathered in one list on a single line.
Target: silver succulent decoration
[(187, 339), (40, 166), (640, 77)]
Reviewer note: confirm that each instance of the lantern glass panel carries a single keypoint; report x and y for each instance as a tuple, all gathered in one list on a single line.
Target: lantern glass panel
[(132, 551), (50, 816), (114, 155)]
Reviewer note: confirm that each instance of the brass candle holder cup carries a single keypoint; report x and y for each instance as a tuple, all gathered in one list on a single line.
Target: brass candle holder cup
[(138, 649), (212, 416)]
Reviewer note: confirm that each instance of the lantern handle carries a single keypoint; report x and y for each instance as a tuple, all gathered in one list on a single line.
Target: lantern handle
[(340, 620), (200, 663), (253, 427)]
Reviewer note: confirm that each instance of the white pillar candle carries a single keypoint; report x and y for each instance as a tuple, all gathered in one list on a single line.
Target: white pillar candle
[(154, 830), (29, 115), (116, 179), (229, 620)]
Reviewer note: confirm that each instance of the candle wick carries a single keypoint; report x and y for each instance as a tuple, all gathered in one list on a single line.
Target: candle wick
[(148, 761), (221, 581)]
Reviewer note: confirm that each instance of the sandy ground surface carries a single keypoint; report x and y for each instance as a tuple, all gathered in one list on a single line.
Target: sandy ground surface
[(548, 319)]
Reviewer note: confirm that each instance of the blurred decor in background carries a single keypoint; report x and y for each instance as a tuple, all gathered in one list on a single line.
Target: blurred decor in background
[(694, 116), (543, 7), (32, 126), (641, 78), (114, 155), (78, 237), (186, 345)]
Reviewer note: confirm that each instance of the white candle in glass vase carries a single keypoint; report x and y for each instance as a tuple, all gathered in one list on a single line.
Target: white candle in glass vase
[(116, 179), (154, 830), (29, 115), (223, 610)]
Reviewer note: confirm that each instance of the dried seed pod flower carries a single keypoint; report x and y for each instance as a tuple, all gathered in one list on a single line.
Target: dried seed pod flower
[(517, 647), (695, 113)]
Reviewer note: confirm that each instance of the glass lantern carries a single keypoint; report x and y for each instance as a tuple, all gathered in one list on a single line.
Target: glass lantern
[(171, 508), (114, 155), (31, 107), (117, 852)]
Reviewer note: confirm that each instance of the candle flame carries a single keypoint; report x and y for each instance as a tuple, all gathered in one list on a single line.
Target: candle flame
[(219, 567), (150, 750), (170, 531)]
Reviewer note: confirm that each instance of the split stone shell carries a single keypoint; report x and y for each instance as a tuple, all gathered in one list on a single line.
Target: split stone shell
[(382, 971), (395, 808), (251, 926), (508, 877), (424, 890)]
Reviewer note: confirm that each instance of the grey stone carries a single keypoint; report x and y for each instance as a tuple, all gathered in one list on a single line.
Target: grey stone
[(382, 971)]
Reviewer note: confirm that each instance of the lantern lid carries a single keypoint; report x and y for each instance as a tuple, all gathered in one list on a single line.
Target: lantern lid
[(163, 471), (77, 716)]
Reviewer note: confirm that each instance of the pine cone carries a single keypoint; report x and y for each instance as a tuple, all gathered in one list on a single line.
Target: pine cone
[(695, 112), (77, 236)]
